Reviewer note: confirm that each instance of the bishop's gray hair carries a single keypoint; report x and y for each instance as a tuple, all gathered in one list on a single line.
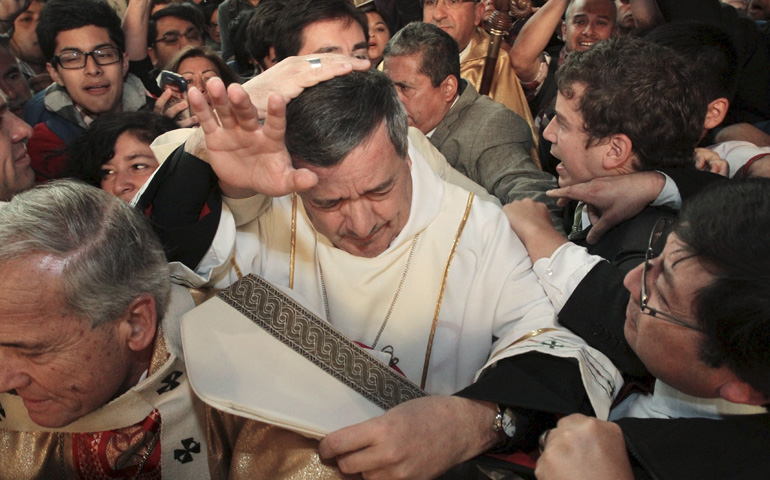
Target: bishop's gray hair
[(109, 251)]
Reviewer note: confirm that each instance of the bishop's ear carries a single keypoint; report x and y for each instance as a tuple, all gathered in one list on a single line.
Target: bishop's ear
[(139, 323)]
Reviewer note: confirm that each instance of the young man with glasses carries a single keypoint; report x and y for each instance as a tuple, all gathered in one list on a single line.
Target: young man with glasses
[(85, 48), (171, 29), (698, 318)]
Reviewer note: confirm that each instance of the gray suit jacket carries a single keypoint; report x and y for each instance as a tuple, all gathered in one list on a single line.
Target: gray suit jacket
[(490, 144)]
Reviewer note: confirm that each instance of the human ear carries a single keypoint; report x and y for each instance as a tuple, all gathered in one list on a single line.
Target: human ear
[(54, 74), (153, 56), (478, 13), (715, 115), (618, 154), (449, 88), (139, 323), (738, 391)]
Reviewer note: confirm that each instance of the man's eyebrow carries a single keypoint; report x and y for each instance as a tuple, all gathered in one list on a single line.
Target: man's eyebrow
[(21, 345), (383, 186), (329, 49), (97, 47), (379, 188), (667, 271), (361, 46), (559, 118)]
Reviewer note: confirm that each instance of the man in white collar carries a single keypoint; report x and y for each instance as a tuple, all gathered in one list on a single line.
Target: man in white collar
[(396, 259)]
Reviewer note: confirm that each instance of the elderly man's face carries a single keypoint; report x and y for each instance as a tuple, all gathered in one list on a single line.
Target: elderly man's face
[(588, 22), (425, 104), (457, 18), (362, 203), (16, 173), (671, 351), (341, 36), (60, 367)]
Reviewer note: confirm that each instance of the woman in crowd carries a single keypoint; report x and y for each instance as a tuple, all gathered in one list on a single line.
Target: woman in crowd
[(379, 32), (114, 152), (198, 65)]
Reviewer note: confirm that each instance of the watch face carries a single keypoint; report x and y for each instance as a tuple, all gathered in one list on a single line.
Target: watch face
[(509, 423)]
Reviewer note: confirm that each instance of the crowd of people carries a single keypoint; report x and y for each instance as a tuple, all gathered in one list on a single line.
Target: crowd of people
[(545, 262)]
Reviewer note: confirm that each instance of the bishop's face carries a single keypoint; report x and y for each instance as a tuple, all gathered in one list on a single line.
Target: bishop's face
[(362, 203)]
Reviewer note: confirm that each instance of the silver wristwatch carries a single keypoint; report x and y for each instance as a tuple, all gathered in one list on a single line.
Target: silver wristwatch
[(505, 421)]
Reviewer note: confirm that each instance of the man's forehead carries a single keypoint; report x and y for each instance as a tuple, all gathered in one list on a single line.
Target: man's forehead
[(602, 8), (171, 22), (342, 29), (90, 35)]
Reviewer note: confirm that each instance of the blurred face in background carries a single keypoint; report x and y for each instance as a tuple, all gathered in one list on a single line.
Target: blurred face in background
[(379, 34), (24, 41)]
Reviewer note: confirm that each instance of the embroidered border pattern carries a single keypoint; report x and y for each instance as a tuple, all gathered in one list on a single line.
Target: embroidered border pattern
[(319, 342)]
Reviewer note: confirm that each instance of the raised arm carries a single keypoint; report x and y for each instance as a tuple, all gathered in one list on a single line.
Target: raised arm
[(646, 13), (135, 26), (534, 37)]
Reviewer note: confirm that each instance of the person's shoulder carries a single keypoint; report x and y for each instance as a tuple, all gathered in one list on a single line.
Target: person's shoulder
[(34, 110)]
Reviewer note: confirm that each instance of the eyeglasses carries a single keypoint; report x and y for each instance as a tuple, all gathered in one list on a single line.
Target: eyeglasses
[(451, 4), (172, 38), (73, 59), (661, 230)]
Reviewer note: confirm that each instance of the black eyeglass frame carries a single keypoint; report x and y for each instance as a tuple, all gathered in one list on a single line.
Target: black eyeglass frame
[(93, 54), (175, 36), (663, 225)]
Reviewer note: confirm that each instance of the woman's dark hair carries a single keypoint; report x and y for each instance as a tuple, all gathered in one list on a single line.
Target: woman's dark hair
[(96, 146)]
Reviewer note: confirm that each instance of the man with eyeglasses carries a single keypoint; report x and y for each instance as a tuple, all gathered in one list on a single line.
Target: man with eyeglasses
[(462, 19), (84, 45), (171, 29), (698, 318), (587, 291)]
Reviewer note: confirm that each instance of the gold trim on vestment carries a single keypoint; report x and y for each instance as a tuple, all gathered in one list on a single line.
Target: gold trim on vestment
[(441, 290), (526, 336), (293, 237)]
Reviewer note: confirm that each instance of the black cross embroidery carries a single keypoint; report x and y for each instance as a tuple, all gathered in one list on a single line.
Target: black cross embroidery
[(552, 344), (190, 447), (170, 382)]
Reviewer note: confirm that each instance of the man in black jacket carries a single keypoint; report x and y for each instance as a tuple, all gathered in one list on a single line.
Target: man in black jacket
[(698, 318)]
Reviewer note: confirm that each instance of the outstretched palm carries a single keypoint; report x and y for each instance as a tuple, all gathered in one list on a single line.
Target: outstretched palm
[(245, 155)]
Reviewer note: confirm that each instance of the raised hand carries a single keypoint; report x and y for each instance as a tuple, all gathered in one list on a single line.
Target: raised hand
[(248, 158)]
